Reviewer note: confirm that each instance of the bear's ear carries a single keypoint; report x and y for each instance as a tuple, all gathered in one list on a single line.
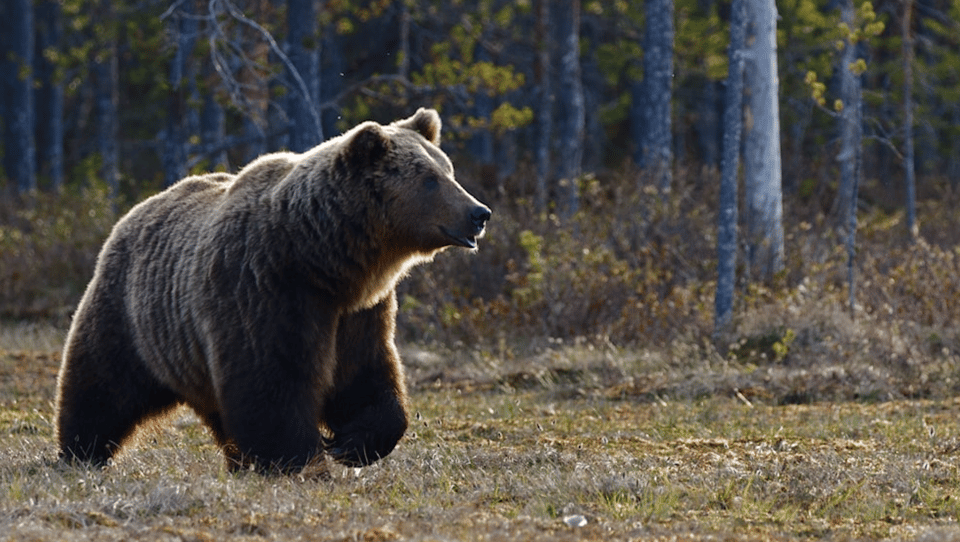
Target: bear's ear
[(368, 144), (425, 122)]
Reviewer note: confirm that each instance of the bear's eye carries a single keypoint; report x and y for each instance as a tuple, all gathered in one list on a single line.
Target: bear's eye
[(431, 182)]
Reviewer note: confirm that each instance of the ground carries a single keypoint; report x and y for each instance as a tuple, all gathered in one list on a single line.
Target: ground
[(574, 443)]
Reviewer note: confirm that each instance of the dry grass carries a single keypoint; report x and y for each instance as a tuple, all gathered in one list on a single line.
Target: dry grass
[(638, 444)]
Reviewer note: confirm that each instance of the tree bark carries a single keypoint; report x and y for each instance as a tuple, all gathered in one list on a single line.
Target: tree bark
[(213, 123), (851, 147), (176, 135), (544, 101), (48, 96), (17, 73), (303, 43), (331, 77), (908, 157), (570, 105), (729, 170), (657, 77), (763, 190), (106, 98)]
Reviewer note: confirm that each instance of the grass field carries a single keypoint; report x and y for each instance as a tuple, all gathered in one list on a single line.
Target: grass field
[(575, 442)]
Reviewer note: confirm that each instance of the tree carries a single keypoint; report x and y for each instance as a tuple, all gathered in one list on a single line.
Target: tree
[(544, 101), (106, 97), (851, 141), (213, 119), (763, 191), (656, 153), (17, 74), (570, 105), (304, 69), (49, 94), (730, 166), (909, 178), (176, 137), (849, 121)]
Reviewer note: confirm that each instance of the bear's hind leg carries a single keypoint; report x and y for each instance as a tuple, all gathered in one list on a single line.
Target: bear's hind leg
[(94, 420), (231, 452), (103, 394)]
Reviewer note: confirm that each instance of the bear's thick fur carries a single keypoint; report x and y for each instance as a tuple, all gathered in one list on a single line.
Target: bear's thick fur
[(266, 301)]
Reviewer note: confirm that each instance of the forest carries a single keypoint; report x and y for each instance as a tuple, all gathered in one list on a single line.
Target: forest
[(608, 137)]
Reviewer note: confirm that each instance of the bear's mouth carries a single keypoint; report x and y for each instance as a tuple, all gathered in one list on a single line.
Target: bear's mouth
[(466, 241)]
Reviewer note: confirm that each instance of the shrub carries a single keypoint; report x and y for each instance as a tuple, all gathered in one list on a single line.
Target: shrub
[(48, 248)]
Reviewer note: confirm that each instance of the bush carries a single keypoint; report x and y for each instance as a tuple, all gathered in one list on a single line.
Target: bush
[(48, 249)]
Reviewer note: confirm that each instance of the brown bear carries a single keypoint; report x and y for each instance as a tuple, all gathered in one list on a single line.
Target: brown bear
[(266, 301)]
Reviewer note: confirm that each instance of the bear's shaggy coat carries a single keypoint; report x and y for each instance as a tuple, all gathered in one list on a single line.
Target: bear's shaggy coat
[(266, 301)]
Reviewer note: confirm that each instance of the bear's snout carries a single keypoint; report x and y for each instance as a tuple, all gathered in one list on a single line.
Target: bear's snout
[(480, 215), (469, 228)]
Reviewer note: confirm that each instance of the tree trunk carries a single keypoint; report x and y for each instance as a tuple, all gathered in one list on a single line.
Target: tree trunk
[(594, 141), (657, 77), (729, 169), (570, 106), (908, 157), (636, 120), (48, 96), (213, 122), (106, 92), (17, 73), (544, 101), (176, 134), (764, 199), (304, 91), (851, 136), (953, 161), (849, 127), (331, 75)]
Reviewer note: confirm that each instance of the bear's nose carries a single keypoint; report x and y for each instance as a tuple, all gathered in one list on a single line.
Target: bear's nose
[(480, 215)]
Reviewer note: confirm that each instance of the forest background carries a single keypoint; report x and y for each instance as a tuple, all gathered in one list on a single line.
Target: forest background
[(594, 130)]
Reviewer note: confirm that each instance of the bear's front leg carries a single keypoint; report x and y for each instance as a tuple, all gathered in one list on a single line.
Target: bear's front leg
[(367, 411), (271, 424), (270, 398)]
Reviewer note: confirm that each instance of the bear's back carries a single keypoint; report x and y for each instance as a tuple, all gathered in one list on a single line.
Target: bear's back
[(263, 174)]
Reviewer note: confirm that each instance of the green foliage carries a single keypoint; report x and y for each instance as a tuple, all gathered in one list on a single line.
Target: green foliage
[(702, 39), (866, 27)]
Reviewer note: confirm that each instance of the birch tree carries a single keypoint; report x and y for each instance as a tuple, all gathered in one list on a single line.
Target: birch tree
[(848, 122), (729, 170), (763, 191), (570, 106), (851, 140)]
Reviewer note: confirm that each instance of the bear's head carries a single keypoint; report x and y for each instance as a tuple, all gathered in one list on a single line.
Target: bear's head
[(426, 209)]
